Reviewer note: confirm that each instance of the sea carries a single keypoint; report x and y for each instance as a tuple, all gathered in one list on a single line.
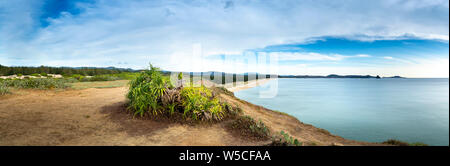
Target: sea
[(373, 110)]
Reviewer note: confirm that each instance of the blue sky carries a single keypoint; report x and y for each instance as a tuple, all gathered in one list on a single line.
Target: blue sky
[(385, 37)]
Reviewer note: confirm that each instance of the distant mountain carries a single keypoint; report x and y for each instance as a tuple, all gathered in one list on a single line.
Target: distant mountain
[(334, 76), (394, 77), (108, 68)]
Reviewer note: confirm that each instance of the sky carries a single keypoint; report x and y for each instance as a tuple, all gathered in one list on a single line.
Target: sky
[(301, 37)]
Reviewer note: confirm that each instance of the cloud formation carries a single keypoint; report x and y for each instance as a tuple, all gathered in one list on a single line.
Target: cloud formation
[(133, 33)]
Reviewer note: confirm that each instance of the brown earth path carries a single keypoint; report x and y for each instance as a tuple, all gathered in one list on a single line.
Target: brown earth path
[(97, 116)]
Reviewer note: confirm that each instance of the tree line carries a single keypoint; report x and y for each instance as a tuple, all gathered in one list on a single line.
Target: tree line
[(5, 70)]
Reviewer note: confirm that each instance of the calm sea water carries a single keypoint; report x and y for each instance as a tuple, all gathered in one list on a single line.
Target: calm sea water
[(412, 110)]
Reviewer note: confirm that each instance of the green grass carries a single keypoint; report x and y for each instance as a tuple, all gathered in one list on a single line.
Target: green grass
[(402, 143), (35, 83), (98, 84), (104, 77)]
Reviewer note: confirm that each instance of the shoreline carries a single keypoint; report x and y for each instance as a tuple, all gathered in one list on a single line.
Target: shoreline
[(246, 85)]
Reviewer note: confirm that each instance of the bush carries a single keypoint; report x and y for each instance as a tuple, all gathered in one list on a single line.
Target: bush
[(126, 75), (248, 127), (284, 139), (146, 92), (36, 83), (3, 88), (77, 76), (153, 94), (225, 91), (199, 103), (69, 80), (103, 78), (35, 74), (44, 74), (401, 143)]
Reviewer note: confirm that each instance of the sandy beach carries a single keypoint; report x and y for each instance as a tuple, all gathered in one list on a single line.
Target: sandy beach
[(246, 85)]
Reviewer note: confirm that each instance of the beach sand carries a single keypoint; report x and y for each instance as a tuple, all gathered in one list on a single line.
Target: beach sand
[(246, 85)]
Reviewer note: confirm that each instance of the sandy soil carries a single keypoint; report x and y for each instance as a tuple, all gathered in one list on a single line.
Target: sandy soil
[(94, 117), (97, 117)]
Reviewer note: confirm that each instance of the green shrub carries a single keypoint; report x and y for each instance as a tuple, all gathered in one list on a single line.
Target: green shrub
[(284, 139), (35, 74), (232, 111), (70, 80), (153, 94), (418, 144), (126, 75), (225, 91), (36, 83), (200, 103), (76, 76), (3, 88), (103, 78), (402, 143), (44, 74), (248, 127), (146, 92)]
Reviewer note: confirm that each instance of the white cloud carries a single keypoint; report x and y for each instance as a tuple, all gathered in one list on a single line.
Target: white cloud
[(163, 32), (312, 56), (399, 60), (363, 55)]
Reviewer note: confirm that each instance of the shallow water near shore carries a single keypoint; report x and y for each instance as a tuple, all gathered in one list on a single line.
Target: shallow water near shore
[(374, 110)]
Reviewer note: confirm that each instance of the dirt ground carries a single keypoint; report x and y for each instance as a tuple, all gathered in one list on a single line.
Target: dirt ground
[(97, 116)]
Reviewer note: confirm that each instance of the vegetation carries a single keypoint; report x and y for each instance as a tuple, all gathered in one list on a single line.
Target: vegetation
[(284, 139), (43, 70), (401, 143), (3, 89), (36, 83), (98, 84), (100, 78), (104, 77), (225, 91), (248, 127), (146, 92), (51, 83), (151, 93)]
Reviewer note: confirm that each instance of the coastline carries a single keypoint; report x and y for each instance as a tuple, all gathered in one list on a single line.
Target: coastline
[(246, 85), (280, 121), (88, 109)]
